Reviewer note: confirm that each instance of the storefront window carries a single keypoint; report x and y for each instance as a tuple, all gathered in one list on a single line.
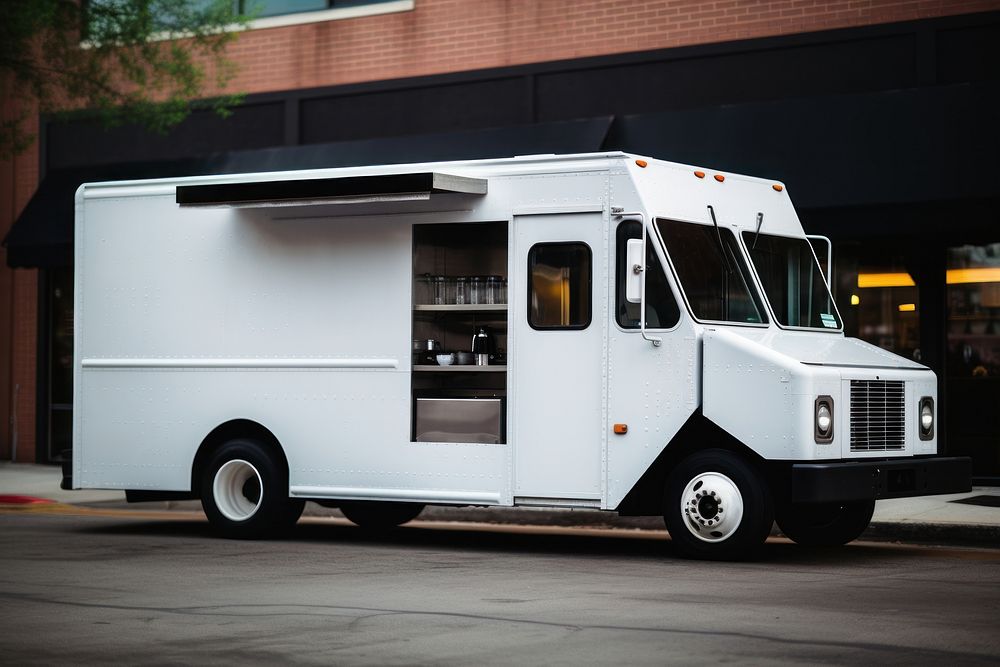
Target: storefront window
[(974, 311), (880, 302), (973, 368), (60, 362)]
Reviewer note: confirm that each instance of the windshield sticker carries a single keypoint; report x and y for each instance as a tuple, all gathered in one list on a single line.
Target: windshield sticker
[(829, 321)]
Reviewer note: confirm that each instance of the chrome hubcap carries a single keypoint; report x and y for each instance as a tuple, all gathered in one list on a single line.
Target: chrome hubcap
[(238, 490), (712, 507)]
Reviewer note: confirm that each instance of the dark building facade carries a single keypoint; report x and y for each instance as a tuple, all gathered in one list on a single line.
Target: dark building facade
[(885, 133)]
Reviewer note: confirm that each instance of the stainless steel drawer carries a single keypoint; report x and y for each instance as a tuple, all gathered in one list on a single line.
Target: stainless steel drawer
[(459, 420)]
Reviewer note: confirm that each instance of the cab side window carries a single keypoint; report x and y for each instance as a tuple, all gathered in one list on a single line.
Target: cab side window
[(662, 311)]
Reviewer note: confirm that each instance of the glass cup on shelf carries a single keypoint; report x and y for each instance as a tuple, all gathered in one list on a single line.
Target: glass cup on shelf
[(439, 286), (492, 288), (461, 290), (475, 290)]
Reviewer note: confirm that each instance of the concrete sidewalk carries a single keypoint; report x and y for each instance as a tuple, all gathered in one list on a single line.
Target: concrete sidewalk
[(949, 519)]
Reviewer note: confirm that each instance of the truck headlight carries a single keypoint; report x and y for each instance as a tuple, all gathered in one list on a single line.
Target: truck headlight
[(823, 431), (926, 416)]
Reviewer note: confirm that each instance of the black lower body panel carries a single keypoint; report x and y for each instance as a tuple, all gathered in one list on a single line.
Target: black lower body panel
[(868, 480), (67, 472)]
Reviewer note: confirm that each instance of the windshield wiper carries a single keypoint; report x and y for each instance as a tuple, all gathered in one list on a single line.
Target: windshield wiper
[(760, 223), (718, 235)]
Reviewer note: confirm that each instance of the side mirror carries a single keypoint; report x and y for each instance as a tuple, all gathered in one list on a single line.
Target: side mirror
[(635, 264)]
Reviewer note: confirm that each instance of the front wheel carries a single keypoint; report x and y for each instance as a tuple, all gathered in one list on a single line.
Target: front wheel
[(717, 507), (825, 524), (373, 515), (244, 491)]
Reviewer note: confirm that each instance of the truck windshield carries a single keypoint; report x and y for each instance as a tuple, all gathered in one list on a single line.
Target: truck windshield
[(792, 281), (712, 272)]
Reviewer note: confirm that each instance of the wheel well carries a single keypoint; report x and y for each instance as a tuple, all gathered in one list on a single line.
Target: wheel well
[(230, 430), (697, 434)]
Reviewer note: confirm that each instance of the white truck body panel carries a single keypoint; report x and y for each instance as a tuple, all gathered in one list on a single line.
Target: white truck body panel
[(298, 317)]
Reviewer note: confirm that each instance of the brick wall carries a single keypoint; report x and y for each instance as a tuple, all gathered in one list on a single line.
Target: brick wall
[(18, 312), (452, 35)]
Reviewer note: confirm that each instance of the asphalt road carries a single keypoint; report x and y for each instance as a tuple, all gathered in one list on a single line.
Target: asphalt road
[(82, 586)]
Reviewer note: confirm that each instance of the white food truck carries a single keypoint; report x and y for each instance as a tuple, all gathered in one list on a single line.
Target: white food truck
[(587, 331)]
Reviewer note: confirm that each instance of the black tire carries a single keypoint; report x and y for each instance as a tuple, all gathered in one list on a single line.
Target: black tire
[(244, 492), (700, 491), (825, 524), (372, 515)]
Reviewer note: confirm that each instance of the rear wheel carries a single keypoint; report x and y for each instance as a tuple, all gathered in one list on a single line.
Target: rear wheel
[(825, 524), (244, 491), (374, 515), (717, 507)]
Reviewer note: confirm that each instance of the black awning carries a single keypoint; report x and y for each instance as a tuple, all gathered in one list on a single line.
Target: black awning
[(869, 149), (42, 237)]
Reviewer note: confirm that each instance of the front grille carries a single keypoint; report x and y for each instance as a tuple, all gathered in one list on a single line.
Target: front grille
[(877, 416)]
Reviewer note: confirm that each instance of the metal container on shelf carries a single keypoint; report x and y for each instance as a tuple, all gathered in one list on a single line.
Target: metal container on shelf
[(478, 420), (481, 347)]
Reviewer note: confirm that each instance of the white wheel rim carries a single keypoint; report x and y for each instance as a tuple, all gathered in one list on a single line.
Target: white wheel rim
[(234, 482), (712, 507)]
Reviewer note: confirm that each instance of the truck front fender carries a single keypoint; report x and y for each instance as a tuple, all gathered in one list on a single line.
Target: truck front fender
[(763, 398)]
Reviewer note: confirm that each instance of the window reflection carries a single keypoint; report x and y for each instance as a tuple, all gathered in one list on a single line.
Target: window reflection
[(662, 311), (712, 272), (974, 311), (560, 286), (792, 280), (973, 364), (880, 301)]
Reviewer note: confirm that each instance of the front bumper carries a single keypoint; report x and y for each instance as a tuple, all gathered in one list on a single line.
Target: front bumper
[(869, 480)]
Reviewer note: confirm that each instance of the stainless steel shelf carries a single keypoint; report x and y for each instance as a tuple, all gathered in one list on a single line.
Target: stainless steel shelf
[(463, 308), (431, 368)]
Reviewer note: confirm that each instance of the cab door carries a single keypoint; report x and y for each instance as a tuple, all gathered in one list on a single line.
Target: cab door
[(557, 315), (652, 388)]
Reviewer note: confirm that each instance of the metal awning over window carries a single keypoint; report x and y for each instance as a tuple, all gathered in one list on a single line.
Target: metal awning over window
[(344, 190)]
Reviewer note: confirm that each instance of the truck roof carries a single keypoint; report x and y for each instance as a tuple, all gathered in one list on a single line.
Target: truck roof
[(485, 167)]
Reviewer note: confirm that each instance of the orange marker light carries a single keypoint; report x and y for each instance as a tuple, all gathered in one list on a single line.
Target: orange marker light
[(621, 429), (720, 178), (699, 174), (641, 163), (778, 187)]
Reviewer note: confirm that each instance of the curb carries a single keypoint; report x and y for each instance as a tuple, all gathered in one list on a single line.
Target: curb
[(957, 534)]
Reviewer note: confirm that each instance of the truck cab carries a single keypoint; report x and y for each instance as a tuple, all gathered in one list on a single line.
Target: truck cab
[(794, 421)]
